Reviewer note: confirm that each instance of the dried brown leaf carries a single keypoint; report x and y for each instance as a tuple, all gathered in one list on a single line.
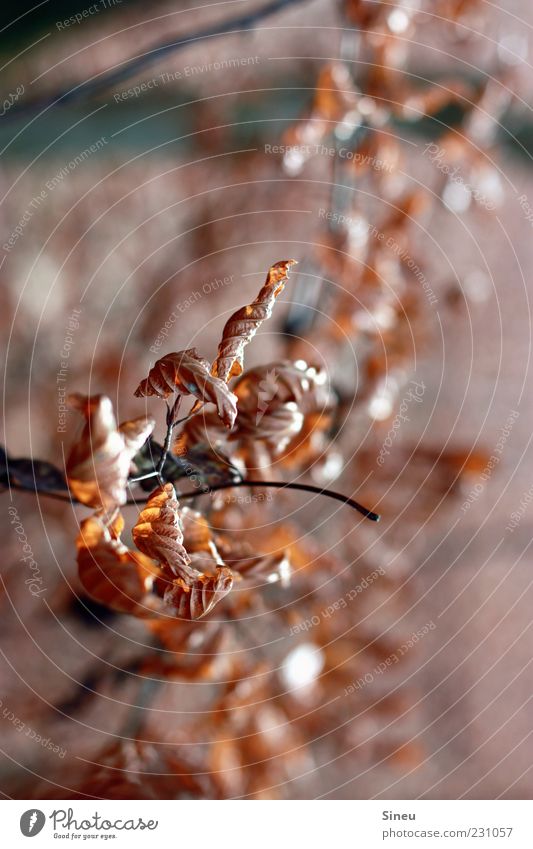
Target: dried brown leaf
[(205, 428), (198, 599), (244, 324), (187, 373), (112, 574), (158, 533), (270, 569), (99, 463)]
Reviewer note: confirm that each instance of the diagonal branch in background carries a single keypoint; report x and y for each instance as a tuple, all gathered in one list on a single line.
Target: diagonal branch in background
[(113, 76)]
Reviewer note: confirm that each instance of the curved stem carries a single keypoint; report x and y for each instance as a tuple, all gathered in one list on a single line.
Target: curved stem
[(300, 487)]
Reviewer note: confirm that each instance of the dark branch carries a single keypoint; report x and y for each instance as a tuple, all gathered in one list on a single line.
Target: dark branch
[(106, 79), (300, 487)]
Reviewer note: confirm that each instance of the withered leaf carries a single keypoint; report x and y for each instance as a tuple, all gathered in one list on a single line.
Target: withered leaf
[(270, 569), (201, 429), (244, 324), (158, 533), (187, 373), (198, 599), (99, 463), (113, 575), (262, 389), (198, 537), (284, 408), (277, 427)]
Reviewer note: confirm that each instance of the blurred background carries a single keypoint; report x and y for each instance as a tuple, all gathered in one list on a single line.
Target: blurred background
[(156, 195)]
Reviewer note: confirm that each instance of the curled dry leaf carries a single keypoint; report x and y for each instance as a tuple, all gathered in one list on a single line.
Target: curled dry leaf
[(112, 574), (262, 389), (270, 569), (258, 445), (99, 463), (198, 599), (205, 429), (286, 408), (284, 411), (244, 324), (158, 533), (187, 373), (200, 542)]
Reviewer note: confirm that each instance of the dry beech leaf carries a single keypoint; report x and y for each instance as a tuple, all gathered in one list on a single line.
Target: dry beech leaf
[(265, 388), (270, 569), (197, 534), (198, 599), (112, 574), (158, 533), (276, 430), (199, 540), (99, 463), (187, 373), (206, 429), (284, 409), (244, 324)]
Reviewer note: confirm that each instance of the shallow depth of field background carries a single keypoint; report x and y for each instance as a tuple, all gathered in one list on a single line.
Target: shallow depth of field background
[(181, 197)]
